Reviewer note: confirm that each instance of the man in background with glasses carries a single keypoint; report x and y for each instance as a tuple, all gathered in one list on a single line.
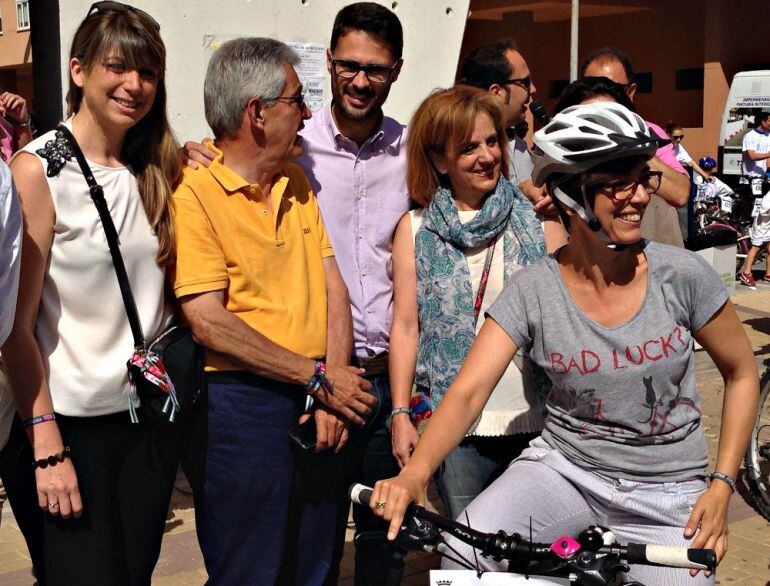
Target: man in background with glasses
[(661, 220)]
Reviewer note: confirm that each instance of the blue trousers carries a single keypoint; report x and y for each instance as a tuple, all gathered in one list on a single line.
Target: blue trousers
[(249, 476), (321, 506)]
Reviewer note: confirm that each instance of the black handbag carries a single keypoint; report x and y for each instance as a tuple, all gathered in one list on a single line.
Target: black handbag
[(167, 372)]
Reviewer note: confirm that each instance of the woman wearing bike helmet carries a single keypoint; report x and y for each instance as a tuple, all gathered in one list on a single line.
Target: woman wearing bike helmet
[(611, 318)]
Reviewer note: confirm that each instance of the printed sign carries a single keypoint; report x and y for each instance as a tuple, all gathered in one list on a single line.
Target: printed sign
[(311, 69), (312, 72), (753, 102)]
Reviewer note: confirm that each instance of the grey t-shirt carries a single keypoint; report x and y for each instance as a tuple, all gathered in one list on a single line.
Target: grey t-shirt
[(624, 401), (520, 161)]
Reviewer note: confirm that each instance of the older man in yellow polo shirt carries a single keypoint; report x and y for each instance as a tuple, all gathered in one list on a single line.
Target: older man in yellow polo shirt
[(258, 283)]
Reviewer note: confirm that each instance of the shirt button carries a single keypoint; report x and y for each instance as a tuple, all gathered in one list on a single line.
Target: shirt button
[(370, 310), (364, 273), (359, 235)]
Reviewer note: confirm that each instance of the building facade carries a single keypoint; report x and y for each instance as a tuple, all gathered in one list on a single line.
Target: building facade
[(684, 52), (16, 49)]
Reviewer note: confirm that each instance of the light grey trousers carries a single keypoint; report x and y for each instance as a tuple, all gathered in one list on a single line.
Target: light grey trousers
[(563, 499)]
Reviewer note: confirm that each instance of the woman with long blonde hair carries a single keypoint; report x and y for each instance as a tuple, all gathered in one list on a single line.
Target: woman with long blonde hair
[(89, 487)]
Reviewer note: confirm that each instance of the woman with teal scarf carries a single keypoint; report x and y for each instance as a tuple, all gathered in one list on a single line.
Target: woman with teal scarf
[(451, 259)]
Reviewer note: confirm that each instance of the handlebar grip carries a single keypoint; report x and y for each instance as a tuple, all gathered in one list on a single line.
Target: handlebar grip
[(360, 494), (674, 557)]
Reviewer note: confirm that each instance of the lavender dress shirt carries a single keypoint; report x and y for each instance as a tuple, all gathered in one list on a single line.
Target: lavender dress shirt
[(362, 195)]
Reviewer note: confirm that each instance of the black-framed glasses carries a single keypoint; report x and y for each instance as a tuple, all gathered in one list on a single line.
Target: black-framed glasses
[(677, 136), (347, 69), (299, 99), (624, 189), (107, 6), (524, 82)]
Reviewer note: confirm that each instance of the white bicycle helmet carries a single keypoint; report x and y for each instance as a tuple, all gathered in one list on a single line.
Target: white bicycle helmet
[(582, 137)]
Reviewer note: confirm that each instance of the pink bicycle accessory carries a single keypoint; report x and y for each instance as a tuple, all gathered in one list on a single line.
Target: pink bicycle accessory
[(565, 547)]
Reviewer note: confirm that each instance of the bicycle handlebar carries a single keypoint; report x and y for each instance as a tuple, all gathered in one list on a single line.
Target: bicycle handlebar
[(515, 549)]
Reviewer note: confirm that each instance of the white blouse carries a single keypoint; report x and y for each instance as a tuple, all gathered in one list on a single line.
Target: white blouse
[(512, 407), (82, 329)]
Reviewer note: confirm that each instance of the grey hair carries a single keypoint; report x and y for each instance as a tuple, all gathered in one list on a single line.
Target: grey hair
[(240, 70)]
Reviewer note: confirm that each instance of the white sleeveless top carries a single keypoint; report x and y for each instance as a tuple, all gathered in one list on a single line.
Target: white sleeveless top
[(512, 407), (82, 329)]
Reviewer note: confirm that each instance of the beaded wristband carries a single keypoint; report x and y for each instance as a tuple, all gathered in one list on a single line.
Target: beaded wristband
[(53, 459), (396, 411), (38, 419), (724, 478)]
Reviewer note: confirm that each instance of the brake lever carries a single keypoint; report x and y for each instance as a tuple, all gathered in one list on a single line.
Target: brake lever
[(415, 535), (418, 534)]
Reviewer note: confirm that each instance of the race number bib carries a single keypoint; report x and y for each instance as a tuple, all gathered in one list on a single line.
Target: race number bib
[(727, 205)]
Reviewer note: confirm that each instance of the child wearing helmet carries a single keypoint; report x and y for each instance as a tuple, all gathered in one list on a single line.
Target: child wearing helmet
[(712, 187), (611, 318)]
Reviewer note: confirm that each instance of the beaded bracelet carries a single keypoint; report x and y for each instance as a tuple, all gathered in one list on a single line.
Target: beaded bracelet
[(38, 419), (724, 478), (52, 460), (396, 411)]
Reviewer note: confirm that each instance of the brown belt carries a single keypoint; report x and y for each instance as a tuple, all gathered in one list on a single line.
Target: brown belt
[(372, 365)]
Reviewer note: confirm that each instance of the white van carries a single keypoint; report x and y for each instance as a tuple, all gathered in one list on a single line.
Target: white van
[(749, 94)]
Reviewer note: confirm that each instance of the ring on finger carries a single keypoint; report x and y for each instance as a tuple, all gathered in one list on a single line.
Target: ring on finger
[(53, 505), (380, 504)]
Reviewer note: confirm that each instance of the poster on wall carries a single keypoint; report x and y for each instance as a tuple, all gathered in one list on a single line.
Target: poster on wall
[(311, 69), (312, 72)]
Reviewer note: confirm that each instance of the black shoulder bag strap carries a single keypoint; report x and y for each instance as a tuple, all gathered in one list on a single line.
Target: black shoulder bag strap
[(97, 195)]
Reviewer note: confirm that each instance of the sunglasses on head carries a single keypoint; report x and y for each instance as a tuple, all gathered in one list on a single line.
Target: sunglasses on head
[(601, 79), (107, 6)]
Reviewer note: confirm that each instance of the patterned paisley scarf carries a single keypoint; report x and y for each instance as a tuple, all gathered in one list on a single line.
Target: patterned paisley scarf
[(444, 292)]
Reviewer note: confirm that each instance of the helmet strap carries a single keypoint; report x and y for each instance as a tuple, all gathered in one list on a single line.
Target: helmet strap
[(586, 213)]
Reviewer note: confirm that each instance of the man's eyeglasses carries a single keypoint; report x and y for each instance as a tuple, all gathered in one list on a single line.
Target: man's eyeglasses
[(677, 136), (624, 189), (347, 69), (107, 6), (524, 82), (299, 99)]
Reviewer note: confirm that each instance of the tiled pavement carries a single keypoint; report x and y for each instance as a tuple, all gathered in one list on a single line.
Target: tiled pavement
[(747, 562)]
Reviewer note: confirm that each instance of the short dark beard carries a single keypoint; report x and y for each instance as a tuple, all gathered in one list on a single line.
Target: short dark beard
[(357, 115)]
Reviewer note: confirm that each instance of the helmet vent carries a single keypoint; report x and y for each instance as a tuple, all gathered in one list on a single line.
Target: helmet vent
[(589, 130), (554, 127), (582, 144), (603, 122)]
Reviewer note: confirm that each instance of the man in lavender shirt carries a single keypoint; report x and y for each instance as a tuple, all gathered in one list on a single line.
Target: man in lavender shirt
[(355, 159), (661, 221)]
